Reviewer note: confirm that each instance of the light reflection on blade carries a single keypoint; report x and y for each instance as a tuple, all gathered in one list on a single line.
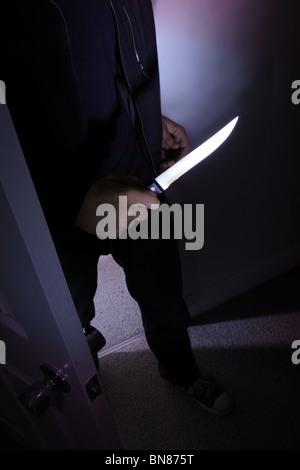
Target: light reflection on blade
[(196, 156)]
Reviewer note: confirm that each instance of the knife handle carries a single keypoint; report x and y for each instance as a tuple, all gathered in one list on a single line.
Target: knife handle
[(155, 188)]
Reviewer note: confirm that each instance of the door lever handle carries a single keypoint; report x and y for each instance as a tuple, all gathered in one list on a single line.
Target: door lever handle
[(37, 397)]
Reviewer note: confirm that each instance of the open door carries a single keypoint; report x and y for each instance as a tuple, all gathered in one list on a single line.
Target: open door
[(50, 391)]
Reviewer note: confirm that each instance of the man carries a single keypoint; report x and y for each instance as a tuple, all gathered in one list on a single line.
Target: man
[(83, 90)]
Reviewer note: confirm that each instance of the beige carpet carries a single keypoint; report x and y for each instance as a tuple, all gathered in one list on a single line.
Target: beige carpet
[(245, 344)]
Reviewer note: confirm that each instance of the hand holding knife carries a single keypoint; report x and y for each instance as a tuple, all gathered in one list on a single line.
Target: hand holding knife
[(165, 179)]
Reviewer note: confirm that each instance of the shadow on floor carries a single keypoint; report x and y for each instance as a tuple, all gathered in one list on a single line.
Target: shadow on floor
[(151, 414)]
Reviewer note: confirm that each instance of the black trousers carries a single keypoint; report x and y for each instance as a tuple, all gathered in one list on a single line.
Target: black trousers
[(153, 275)]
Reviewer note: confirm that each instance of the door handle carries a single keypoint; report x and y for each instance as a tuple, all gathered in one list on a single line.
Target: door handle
[(37, 397)]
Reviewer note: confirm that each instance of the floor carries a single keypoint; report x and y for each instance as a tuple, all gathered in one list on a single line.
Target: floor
[(244, 343)]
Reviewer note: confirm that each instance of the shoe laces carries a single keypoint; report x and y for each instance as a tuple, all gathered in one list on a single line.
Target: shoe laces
[(203, 386)]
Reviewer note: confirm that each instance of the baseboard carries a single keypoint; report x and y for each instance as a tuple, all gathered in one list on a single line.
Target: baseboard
[(241, 282)]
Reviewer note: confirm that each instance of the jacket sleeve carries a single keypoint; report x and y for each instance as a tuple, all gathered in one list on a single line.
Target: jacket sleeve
[(44, 102)]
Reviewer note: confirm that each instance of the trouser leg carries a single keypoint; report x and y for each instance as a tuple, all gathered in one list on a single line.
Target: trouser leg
[(78, 253), (153, 275)]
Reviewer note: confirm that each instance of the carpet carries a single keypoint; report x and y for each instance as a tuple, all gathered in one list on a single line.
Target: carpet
[(245, 344)]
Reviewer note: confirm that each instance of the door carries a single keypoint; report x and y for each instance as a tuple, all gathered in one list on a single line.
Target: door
[(50, 392)]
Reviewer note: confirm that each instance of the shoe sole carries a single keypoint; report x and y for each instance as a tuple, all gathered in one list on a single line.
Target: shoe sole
[(213, 410)]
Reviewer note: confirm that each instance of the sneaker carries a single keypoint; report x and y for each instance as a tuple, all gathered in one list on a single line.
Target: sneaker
[(210, 396)]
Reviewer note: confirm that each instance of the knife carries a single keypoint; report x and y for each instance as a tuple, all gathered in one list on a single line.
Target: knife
[(165, 179)]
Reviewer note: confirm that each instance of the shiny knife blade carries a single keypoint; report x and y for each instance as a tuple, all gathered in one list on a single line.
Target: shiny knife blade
[(165, 179)]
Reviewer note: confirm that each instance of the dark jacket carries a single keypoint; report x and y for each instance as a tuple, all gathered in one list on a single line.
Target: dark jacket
[(44, 99)]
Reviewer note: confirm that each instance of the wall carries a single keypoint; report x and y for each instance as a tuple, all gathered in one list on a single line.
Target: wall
[(218, 59)]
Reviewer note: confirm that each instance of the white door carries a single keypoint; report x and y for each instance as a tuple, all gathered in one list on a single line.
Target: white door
[(50, 392)]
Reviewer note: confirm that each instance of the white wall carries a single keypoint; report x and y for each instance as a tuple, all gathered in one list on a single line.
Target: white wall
[(219, 58), (210, 54)]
